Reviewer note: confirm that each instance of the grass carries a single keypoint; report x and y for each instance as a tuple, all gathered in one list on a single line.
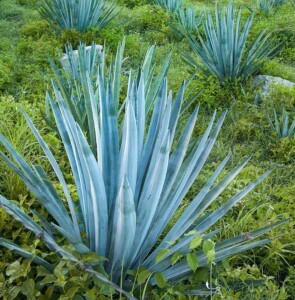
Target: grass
[(24, 47)]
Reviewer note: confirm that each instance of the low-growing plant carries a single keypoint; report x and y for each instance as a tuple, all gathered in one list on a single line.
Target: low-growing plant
[(225, 51), (80, 15), (130, 183), (281, 126)]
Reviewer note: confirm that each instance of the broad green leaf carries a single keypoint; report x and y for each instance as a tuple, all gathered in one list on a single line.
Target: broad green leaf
[(160, 280), (196, 242), (143, 276), (12, 268), (162, 253), (208, 245), (175, 258), (192, 261)]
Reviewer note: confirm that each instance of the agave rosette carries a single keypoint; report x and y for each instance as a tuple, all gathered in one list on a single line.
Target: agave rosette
[(224, 50), (130, 183)]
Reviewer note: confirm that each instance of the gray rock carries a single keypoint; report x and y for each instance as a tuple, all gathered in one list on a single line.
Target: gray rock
[(65, 60), (265, 82)]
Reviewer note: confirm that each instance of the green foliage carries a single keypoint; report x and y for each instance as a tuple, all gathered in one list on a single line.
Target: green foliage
[(146, 18), (35, 29), (27, 2), (224, 51), (6, 76), (133, 3), (79, 15)]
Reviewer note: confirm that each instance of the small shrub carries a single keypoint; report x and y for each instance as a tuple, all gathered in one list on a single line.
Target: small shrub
[(35, 29), (147, 18)]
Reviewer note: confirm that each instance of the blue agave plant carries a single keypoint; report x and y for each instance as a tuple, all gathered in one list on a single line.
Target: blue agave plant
[(76, 14), (130, 184), (281, 126), (224, 51)]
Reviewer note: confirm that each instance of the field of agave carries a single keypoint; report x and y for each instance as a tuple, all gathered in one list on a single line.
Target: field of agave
[(152, 167)]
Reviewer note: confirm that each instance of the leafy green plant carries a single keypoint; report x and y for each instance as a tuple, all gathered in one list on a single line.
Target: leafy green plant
[(130, 186), (282, 126), (80, 15), (225, 51)]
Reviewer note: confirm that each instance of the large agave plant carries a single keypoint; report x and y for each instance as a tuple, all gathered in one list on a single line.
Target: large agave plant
[(76, 14), (130, 186), (225, 50)]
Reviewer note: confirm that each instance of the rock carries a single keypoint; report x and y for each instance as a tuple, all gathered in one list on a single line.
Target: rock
[(265, 82), (64, 59)]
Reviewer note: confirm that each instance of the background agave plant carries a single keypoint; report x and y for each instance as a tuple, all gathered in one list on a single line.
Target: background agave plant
[(225, 51), (269, 6), (186, 20), (73, 84), (80, 15), (170, 5), (281, 126)]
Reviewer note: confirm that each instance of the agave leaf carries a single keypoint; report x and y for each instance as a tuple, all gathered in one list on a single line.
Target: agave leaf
[(129, 151), (110, 140), (151, 195), (150, 141), (43, 190), (123, 231), (57, 170)]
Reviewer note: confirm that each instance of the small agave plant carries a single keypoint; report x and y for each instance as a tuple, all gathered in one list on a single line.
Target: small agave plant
[(130, 185), (281, 126), (224, 49), (269, 6)]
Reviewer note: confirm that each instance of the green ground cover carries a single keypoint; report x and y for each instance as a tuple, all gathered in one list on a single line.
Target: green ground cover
[(26, 41)]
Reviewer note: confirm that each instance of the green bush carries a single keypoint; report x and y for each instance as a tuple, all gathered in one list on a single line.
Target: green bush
[(146, 18), (35, 29), (6, 76)]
